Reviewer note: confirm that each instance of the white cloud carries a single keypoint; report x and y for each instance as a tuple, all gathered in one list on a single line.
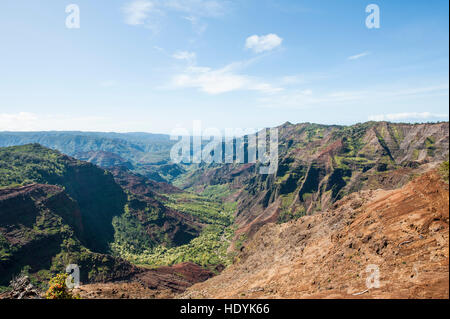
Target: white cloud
[(185, 55), (221, 80), (358, 56), (17, 121), (306, 98), (149, 13), (407, 116), (203, 8), (137, 12), (26, 121), (263, 43), (198, 26)]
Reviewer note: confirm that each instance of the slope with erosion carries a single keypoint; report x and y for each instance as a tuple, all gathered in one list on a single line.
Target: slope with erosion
[(99, 198), (320, 164), (40, 227), (120, 212), (404, 232)]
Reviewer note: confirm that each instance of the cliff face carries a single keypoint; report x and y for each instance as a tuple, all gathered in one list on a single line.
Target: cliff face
[(98, 196), (319, 164), (73, 212), (40, 227), (403, 232)]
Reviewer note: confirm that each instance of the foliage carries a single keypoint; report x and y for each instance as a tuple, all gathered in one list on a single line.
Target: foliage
[(58, 288), (207, 209), (129, 233), (444, 170), (29, 164), (208, 249), (287, 215)]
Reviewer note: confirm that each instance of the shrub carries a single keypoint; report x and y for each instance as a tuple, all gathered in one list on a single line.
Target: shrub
[(443, 169), (58, 288)]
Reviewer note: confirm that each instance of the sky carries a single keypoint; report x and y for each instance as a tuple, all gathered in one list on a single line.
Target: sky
[(157, 65)]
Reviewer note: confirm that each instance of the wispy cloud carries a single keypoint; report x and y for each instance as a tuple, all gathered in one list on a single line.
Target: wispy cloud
[(137, 12), (306, 98), (223, 80), (263, 43), (358, 56), (149, 13), (407, 116), (26, 121), (198, 26), (202, 8), (17, 121), (185, 55)]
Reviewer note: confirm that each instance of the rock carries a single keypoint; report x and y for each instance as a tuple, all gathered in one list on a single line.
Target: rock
[(22, 288)]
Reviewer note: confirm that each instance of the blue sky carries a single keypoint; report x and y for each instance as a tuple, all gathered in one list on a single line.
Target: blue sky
[(153, 65)]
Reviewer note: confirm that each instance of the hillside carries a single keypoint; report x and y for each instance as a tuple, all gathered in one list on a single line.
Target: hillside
[(40, 227), (405, 232), (102, 149), (320, 164), (124, 221), (98, 196), (74, 211)]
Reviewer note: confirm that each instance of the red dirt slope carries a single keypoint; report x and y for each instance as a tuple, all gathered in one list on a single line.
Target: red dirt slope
[(404, 232)]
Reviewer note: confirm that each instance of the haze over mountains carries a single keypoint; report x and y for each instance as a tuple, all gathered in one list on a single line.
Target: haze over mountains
[(115, 205)]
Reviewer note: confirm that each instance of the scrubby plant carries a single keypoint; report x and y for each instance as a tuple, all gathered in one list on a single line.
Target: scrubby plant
[(58, 288), (443, 169)]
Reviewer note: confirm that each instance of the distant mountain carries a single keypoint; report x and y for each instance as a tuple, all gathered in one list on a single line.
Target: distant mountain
[(103, 159), (134, 147), (209, 212)]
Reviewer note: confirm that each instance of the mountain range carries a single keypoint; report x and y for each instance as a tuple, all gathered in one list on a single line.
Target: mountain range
[(114, 204)]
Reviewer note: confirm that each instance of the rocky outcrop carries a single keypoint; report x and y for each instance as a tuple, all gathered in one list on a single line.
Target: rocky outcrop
[(22, 288)]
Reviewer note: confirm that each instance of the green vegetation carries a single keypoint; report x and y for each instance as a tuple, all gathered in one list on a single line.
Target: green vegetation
[(287, 215), (430, 145), (58, 288), (208, 249), (28, 164), (134, 147), (130, 233), (287, 212), (443, 170), (206, 210)]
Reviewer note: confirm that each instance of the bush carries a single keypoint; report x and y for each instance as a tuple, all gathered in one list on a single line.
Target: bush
[(443, 169), (58, 288)]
